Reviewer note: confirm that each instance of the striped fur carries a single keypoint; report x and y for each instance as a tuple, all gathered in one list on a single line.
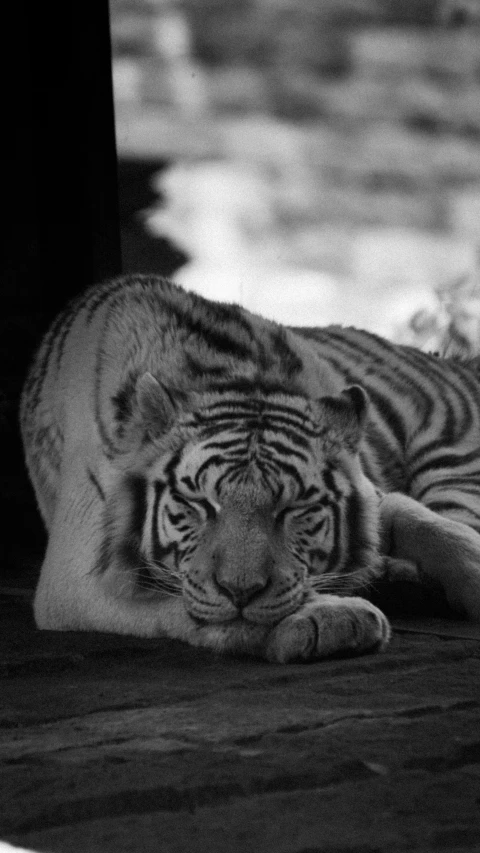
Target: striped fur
[(209, 475)]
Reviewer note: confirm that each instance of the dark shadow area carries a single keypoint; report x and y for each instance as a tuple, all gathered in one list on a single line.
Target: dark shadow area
[(142, 252)]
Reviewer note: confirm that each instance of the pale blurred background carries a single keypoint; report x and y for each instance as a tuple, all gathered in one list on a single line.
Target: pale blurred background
[(318, 161)]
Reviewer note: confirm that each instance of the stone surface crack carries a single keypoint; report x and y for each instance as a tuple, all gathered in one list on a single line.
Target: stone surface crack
[(419, 711)]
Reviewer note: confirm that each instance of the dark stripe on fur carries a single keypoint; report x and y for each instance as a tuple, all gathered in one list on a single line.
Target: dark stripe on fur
[(137, 487), (468, 485), (447, 460), (96, 484), (334, 558), (357, 540), (210, 334), (443, 506), (159, 488), (290, 362)]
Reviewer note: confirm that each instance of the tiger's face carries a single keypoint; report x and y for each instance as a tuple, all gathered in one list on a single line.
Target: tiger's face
[(260, 501)]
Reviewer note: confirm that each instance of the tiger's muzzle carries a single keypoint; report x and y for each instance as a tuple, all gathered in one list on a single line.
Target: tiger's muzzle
[(242, 570)]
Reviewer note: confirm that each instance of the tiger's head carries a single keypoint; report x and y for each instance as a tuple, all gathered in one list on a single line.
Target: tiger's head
[(254, 499)]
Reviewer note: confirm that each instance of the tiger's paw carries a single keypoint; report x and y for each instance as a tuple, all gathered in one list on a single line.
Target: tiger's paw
[(326, 625)]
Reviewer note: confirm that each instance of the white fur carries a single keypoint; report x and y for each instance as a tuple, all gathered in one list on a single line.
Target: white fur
[(76, 454)]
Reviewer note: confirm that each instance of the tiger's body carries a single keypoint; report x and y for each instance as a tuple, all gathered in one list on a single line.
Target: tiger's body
[(208, 475)]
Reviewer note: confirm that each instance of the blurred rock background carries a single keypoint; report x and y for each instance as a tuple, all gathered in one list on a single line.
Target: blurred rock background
[(323, 158)]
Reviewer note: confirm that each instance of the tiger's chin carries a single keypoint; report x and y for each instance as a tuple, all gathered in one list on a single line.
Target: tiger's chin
[(236, 636)]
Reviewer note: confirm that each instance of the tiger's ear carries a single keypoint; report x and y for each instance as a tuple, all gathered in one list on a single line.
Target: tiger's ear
[(344, 416), (157, 406)]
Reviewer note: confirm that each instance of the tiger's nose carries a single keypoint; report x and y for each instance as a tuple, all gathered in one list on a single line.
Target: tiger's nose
[(240, 595)]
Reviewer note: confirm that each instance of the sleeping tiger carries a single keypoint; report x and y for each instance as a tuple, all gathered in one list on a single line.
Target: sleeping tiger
[(208, 475)]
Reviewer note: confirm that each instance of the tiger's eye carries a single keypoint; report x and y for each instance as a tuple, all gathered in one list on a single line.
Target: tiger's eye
[(201, 505)]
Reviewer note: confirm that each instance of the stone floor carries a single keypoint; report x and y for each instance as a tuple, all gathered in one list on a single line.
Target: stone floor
[(117, 744)]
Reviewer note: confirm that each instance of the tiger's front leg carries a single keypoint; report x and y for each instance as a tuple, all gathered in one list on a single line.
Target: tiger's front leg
[(75, 592), (446, 552), (328, 624)]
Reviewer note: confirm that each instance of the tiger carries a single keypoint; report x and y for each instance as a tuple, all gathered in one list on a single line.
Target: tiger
[(208, 475)]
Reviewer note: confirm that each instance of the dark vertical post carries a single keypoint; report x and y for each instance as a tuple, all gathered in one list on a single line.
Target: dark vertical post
[(73, 147), (59, 194)]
